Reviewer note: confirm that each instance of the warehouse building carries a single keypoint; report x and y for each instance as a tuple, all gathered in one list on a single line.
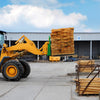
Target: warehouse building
[(86, 44)]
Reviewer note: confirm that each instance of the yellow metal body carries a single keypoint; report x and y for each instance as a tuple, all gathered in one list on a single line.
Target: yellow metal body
[(22, 46), (11, 71), (54, 58)]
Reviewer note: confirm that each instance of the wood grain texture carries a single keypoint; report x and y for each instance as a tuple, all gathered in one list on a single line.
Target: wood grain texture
[(62, 41)]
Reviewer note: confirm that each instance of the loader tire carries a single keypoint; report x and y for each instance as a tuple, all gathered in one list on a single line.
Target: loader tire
[(12, 70), (26, 67)]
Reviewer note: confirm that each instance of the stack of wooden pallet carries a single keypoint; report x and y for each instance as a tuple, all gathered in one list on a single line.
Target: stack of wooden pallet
[(86, 65), (92, 88), (86, 69), (62, 41), (85, 62)]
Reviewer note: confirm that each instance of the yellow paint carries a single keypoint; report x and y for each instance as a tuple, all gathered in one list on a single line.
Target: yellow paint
[(54, 58), (21, 47), (11, 71)]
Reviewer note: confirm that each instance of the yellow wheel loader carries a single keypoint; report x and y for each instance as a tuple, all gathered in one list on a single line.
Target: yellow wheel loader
[(12, 68)]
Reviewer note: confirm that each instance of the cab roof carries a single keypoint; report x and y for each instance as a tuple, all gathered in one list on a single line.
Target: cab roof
[(2, 32)]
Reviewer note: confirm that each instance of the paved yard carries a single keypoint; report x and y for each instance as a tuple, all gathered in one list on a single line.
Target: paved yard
[(47, 81)]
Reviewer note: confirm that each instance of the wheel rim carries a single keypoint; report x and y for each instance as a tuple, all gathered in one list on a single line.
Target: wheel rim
[(11, 71)]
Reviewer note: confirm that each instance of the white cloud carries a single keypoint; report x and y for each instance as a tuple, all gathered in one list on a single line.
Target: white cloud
[(31, 17), (83, 28), (42, 3)]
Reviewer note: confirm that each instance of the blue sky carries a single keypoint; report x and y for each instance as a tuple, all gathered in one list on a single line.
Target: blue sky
[(44, 15)]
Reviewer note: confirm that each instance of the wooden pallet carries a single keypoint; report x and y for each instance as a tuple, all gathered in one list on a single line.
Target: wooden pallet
[(88, 85), (93, 88), (86, 69), (86, 65), (62, 41), (85, 62)]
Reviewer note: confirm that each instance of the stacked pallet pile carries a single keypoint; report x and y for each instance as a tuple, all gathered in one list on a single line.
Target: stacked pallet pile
[(86, 69), (85, 62), (62, 41), (92, 88), (86, 65)]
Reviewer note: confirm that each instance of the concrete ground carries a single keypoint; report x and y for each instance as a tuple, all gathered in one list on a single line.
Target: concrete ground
[(47, 81)]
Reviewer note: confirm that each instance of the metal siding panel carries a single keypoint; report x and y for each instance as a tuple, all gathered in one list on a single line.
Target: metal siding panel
[(45, 36), (34, 37), (87, 37)]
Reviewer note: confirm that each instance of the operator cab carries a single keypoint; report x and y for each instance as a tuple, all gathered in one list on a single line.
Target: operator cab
[(1, 39)]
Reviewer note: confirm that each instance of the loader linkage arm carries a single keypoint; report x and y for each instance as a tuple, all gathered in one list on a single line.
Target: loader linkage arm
[(23, 44)]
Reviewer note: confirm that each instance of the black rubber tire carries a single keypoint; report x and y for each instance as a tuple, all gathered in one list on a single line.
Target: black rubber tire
[(19, 67), (26, 67)]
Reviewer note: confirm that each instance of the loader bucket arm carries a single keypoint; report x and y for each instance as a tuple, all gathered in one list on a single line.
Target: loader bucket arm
[(44, 48), (24, 44)]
